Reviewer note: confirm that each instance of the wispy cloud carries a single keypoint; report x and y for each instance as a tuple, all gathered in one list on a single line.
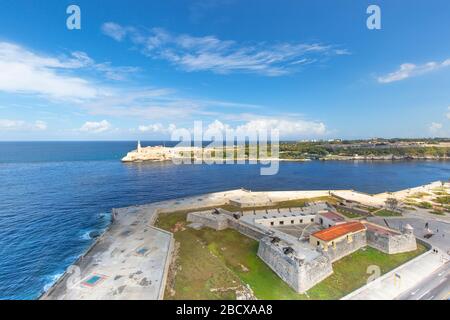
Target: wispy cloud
[(82, 60), (209, 53), (53, 77), (96, 127), (67, 79), (21, 125), (23, 71), (408, 70), (114, 30), (200, 9), (161, 103)]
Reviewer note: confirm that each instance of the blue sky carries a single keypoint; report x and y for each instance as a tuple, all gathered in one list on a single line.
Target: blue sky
[(139, 69)]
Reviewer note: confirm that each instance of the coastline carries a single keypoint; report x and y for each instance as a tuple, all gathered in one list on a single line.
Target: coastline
[(140, 219)]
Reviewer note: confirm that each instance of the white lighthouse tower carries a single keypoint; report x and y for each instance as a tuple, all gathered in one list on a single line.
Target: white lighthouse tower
[(139, 148)]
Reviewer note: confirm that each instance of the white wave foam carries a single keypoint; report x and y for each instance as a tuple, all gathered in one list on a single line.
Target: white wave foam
[(52, 280)]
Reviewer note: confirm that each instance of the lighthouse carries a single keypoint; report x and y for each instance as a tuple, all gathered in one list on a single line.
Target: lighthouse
[(139, 148)]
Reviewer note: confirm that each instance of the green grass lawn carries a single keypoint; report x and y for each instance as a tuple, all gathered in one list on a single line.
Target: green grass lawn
[(348, 214), (209, 260)]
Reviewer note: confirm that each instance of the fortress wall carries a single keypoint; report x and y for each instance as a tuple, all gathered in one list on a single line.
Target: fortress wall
[(299, 275), (284, 266), (344, 248), (313, 272), (391, 244), (402, 243), (286, 221), (378, 241)]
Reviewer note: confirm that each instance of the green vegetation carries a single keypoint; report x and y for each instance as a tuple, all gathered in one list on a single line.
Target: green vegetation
[(379, 147), (348, 214), (438, 212), (350, 273), (440, 191), (372, 209), (212, 264), (418, 195), (386, 213), (283, 204), (443, 200), (411, 202), (425, 205)]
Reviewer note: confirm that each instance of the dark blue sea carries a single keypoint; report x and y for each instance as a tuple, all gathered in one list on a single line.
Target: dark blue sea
[(53, 194)]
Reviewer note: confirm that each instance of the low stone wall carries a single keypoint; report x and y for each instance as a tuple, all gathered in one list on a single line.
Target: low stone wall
[(224, 221), (344, 248), (248, 230), (213, 221)]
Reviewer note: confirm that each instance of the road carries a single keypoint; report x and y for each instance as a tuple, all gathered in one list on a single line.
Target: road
[(437, 285), (434, 287)]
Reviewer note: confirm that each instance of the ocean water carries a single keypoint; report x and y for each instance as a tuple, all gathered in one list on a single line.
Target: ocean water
[(53, 194)]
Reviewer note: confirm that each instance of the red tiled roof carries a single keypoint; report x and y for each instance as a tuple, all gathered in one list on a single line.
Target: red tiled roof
[(339, 231), (332, 216), (379, 229)]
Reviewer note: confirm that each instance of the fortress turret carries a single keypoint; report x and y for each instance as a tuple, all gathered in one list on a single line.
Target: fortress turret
[(408, 229)]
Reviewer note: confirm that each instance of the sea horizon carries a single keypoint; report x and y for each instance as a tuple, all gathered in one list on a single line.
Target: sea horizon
[(54, 197)]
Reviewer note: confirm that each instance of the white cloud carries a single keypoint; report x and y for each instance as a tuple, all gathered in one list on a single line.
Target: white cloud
[(96, 127), (41, 125), (160, 103), (20, 125), (114, 31), (223, 56), (25, 72), (288, 129), (435, 127), (408, 70), (157, 128)]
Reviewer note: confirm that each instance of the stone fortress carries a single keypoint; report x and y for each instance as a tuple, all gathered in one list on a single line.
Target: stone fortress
[(160, 153), (300, 244)]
